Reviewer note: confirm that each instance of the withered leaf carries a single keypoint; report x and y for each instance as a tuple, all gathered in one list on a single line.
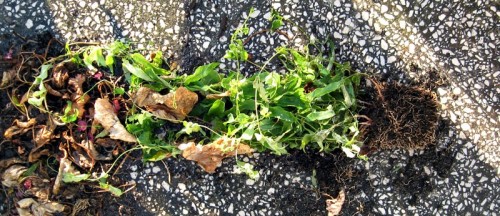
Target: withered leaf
[(52, 91), (210, 156), (334, 206), (174, 106), (219, 96), (35, 154), (44, 134), (10, 177), (60, 75), (64, 167), (7, 77), (39, 187), (18, 127), (79, 98), (105, 115), (9, 162), (28, 206)]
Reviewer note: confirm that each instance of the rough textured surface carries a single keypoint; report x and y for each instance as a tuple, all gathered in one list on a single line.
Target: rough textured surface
[(400, 40)]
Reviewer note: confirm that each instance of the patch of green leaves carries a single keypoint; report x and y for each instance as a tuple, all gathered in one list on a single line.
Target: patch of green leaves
[(276, 20), (247, 168), (38, 97), (142, 125)]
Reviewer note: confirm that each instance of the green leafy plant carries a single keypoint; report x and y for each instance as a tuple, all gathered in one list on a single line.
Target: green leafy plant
[(143, 125), (311, 106), (38, 98)]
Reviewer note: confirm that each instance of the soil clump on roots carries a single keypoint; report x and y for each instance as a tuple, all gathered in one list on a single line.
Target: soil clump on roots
[(398, 116)]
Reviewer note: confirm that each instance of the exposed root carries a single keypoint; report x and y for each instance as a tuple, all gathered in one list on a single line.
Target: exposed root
[(402, 116)]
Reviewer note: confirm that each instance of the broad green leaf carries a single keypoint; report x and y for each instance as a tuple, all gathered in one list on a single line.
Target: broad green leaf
[(99, 57), (70, 114), (217, 109), (282, 114), (135, 70), (306, 139), (110, 61), (294, 100), (321, 115), (325, 90), (158, 59), (277, 20), (206, 72)]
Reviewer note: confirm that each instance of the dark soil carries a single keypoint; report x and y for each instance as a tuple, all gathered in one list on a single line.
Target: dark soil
[(399, 116)]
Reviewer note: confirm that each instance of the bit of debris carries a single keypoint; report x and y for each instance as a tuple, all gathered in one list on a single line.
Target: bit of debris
[(334, 205), (10, 177)]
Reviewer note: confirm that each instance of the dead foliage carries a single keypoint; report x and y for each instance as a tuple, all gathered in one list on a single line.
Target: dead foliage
[(174, 106), (334, 205), (18, 128), (210, 156), (105, 115)]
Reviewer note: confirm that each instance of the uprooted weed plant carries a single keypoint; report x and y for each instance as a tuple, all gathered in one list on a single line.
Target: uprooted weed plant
[(99, 102)]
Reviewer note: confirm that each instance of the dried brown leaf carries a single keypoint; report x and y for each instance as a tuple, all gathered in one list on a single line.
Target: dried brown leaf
[(64, 167), (79, 98), (18, 127), (105, 115), (9, 162), (45, 133), (334, 206), (52, 91), (10, 177), (29, 206), (39, 188), (79, 102), (77, 84), (174, 106), (210, 156), (35, 154), (7, 77), (60, 75)]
